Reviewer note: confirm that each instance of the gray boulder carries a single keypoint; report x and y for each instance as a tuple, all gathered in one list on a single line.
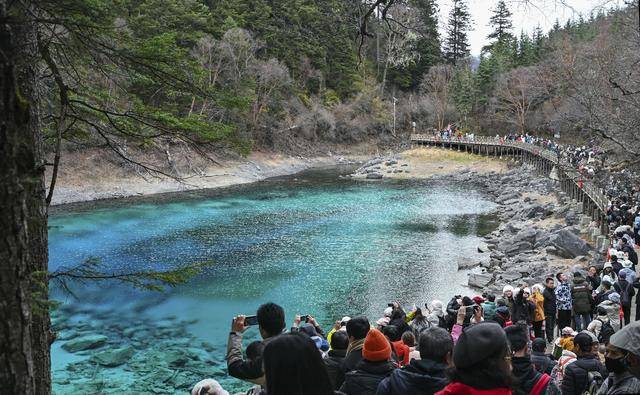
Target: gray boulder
[(114, 357), (374, 176), (569, 245), (84, 343), (483, 247), (480, 280)]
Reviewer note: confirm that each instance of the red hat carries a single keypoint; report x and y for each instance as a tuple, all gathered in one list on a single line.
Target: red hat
[(478, 299), (376, 347)]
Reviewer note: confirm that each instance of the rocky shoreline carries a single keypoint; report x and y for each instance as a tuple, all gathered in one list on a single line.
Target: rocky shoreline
[(541, 231)]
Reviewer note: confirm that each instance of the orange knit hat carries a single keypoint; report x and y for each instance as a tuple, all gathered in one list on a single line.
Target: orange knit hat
[(376, 347)]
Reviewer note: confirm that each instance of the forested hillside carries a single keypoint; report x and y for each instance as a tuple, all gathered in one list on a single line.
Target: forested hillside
[(287, 75)]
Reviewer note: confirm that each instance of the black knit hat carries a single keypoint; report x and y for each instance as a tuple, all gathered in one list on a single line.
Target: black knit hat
[(477, 343)]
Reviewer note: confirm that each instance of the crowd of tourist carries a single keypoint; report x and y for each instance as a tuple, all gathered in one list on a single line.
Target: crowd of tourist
[(571, 335)]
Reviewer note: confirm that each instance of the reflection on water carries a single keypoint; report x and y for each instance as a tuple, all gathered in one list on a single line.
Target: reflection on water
[(314, 243)]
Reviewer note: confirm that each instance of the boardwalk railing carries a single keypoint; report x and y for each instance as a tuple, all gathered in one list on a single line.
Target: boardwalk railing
[(571, 181)]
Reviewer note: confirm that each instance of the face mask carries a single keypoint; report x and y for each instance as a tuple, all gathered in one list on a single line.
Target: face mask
[(614, 365)]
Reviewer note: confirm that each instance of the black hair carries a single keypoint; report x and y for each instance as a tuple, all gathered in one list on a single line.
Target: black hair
[(392, 332), (539, 345), (358, 327), (397, 313), (614, 257), (254, 350), (601, 310), (546, 280), (293, 365), (501, 302), (409, 339), (558, 276), (466, 301), (492, 372), (271, 319), (583, 341), (517, 337), (491, 297), (339, 340), (435, 343), (606, 284)]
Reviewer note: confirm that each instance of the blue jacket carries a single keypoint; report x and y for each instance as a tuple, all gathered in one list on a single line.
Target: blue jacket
[(420, 377)]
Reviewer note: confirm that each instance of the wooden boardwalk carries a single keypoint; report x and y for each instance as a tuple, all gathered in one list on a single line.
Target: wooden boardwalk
[(546, 161)]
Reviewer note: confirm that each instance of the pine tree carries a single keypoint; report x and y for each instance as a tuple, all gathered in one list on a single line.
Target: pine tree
[(462, 86), (501, 23), (526, 50), (428, 45), (456, 46)]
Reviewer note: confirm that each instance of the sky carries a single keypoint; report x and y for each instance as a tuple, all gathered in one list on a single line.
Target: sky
[(527, 14)]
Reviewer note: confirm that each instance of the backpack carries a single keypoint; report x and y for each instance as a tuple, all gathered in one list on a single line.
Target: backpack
[(625, 298), (540, 384), (594, 382), (605, 332)]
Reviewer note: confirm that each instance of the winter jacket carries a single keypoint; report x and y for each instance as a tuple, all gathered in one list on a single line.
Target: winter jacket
[(249, 370), (595, 326), (489, 310), (402, 352), (581, 295), (527, 376), (575, 379), (613, 312), (623, 286), (549, 302), (523, 309), (419, 377), (538, 301), (542, 362), (401, 324), (593, 281), (563, 296), (333, 362), (366, 378), (630, 274), (463, 389), (620, 383)]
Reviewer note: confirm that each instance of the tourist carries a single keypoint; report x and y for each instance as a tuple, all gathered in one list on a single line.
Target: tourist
[(419, 322), (310, 330), (541, 361), (409, 340), (581, 296), (481, 362), (538, 316), (628, 270), (550, 308), (357, 329), (563, 301), (372, 369), (338, 326), (271, 323), (628, 340), (615, 264), (427, 374), (626, 292), (620, 380), (592, 278), (400, 351), (507, 295), (607, 270), (565, 341), (605, 290), (612, 306), (502, 317), (208, 387), (523, 309), (399, 320), (292, 365), (436, 315), (575, 379), (489, 307), (335, 358), (452, 310), (601, 326), (527, 377)]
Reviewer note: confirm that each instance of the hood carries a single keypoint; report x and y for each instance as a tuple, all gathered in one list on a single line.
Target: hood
[(578, 280), (382, 368), (426, 375), (524, 371)]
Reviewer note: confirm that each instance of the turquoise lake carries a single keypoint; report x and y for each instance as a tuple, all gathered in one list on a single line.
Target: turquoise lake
[(314, 243)]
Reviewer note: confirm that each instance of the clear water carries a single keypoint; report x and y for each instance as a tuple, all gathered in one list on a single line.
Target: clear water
[(314, 243)]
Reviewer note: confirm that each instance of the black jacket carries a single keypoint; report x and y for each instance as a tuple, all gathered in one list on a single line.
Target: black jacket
[(575, 374), (420, 377), (542, 362), (366, 378), (333, 362), (526, 376), (523, 309), (401, 324), (621, 286), (549, 303)]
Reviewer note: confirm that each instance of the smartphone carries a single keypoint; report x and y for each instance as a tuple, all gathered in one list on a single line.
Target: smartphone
[(304, 318), (390, 305), (250, 320)]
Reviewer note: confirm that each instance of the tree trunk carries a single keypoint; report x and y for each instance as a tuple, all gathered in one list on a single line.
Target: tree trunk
[(25, 327)]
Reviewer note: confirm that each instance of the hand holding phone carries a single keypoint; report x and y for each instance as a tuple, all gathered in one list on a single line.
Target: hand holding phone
[(250, 320), (238, 324)]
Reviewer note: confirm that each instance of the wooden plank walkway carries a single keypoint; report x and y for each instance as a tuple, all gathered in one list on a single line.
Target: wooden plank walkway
[(594, 200)]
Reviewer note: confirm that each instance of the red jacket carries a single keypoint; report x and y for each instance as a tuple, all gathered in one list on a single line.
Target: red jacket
[(402, 351), (463, 389)]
